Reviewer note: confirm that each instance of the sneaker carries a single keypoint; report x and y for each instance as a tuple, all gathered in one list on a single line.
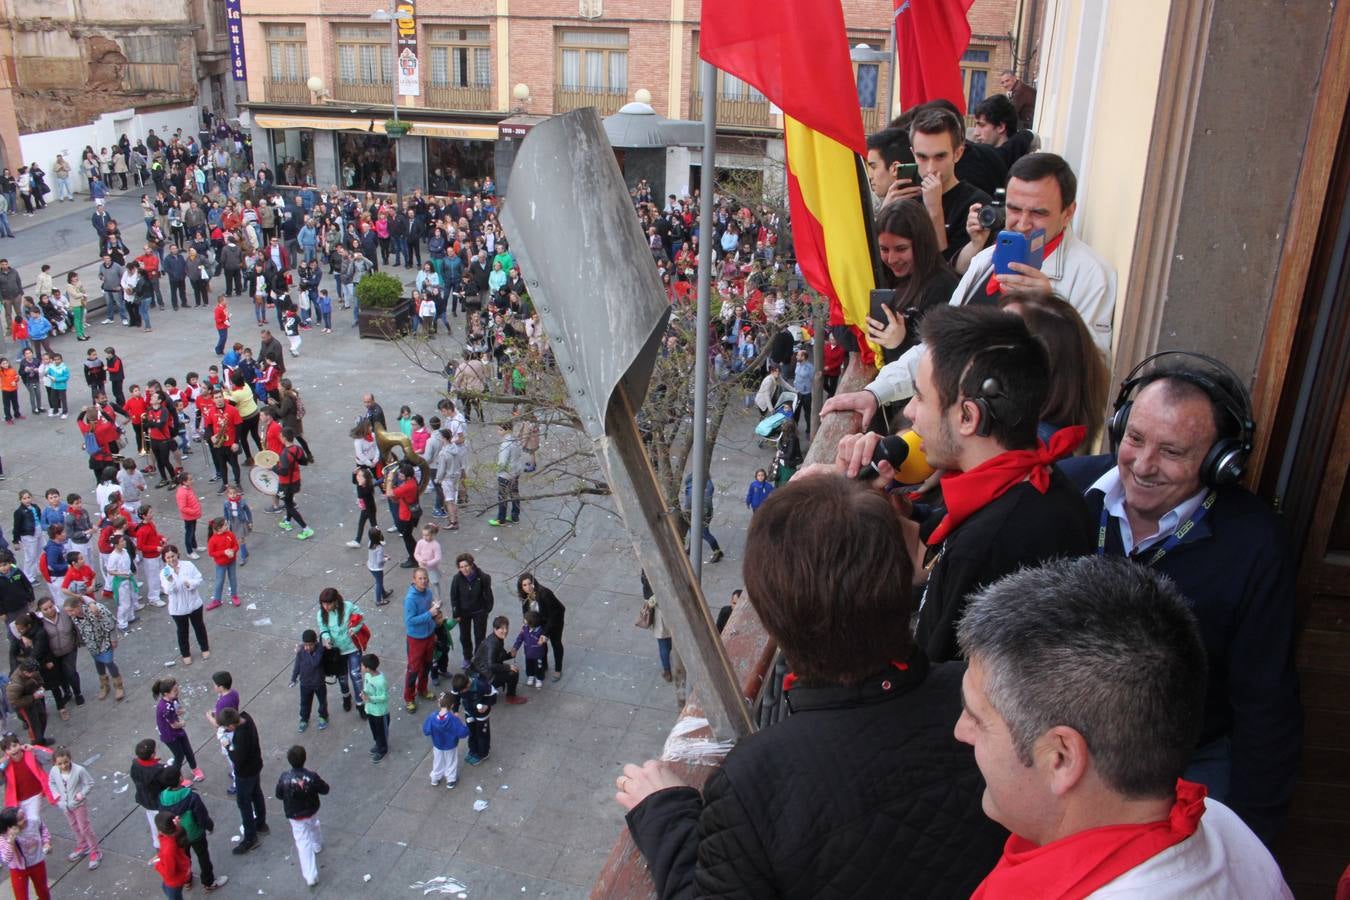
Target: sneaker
[(495, 523), (158, 602), (78, 854), (435, 782), (411, 706), (408, 564), (538, 683), (355, 545), (285, 525), (305, 534), (219, 883), (717, 556), (264, 829), (300, 729), (95, 860), (323, 723), (198, 775), (241, 849), (194, 555), (235, 599), (214, 604), (450, 785), (440, 513), (346, 702), (430, 695), (376, 757), (473, 759)]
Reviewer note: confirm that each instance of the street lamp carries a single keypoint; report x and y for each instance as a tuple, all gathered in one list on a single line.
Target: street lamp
[(383, 15), (863, 53)]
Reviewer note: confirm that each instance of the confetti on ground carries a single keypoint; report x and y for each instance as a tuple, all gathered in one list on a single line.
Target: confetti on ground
[(480, 805), (251, 606), (261, 622), (441, 884)]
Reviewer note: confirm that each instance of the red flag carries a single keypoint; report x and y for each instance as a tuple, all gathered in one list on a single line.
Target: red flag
[(795, 52), (931, 37)]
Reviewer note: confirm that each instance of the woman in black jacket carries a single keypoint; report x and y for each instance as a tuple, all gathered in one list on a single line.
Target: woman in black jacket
[(862, 791), (534, 597)]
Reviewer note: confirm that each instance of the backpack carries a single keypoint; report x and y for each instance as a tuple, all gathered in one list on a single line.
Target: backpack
[(91, 443)]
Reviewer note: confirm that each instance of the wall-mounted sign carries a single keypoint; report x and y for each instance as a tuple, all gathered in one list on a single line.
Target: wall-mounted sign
[(234, 28), (409, 69)]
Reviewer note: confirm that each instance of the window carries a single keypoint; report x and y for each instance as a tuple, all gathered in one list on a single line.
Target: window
[(219, 24), (365, 55), (287, 56), (975, 75), (460, 57), (593, 61)]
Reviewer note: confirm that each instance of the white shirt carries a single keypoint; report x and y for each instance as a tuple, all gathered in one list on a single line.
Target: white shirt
[(1113, 501), (1076, 273), (1223, 860)]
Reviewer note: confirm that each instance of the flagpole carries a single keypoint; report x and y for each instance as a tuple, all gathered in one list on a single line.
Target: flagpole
[(699, 476)]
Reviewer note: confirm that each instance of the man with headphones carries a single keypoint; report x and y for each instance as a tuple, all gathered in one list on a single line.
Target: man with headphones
[(1181, 431)]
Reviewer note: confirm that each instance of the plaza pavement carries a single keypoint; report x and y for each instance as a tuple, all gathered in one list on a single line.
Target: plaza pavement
[(550, 817)]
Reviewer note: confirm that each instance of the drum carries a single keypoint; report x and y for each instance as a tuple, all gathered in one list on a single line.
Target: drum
[(265, 480), (265, 459)]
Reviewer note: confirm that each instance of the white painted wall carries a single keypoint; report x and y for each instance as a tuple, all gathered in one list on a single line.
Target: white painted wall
[(43, 146)]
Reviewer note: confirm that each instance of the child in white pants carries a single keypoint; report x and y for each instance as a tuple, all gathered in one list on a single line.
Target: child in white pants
[(299, 790), (446, 730), (117, 569)]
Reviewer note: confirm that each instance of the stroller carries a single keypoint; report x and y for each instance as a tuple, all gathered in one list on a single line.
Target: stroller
[(768, 427)]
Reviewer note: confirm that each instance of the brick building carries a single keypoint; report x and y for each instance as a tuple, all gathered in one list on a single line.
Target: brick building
[(484, 62), (113, 64)]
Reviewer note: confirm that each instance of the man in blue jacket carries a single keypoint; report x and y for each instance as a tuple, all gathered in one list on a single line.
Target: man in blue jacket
[(1170, 501), (421, 614)]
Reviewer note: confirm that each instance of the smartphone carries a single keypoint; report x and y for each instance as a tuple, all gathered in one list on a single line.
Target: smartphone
[(878, 298), (1016, 247), (908, 172)]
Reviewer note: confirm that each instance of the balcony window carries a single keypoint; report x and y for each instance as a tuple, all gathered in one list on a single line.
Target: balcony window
[(365, 60), (460, 70), (592, 69), (287, 63)]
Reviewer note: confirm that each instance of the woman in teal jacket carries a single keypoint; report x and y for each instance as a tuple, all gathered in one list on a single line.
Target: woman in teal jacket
[(335, 629)]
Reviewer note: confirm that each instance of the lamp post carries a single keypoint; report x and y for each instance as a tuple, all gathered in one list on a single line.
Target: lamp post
[(383, 15)]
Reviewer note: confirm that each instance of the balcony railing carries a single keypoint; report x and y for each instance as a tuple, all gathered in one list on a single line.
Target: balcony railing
[(735, 111), (606, 102), (873, 119), (275, 91), (448, 96), (373, 92)]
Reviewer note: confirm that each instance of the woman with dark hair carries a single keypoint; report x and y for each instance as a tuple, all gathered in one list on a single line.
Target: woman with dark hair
[(894, 802), (536, 598), (340, 624), (914, 268), (401, 486), (1080, 382)]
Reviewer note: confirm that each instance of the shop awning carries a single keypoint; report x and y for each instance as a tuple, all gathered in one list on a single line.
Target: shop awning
[(458, 131)]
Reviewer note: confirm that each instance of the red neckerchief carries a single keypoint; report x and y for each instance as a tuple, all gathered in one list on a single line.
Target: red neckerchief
[(993, 288), (966, 493), (1079, 864)]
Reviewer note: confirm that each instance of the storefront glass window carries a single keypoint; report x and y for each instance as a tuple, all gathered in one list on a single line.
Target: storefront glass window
[(454, 165), (366, 162), (293, 150)]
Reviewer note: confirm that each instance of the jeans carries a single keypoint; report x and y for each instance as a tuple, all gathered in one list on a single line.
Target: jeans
[(145, 303), (222, 335), (356, 307), (352, 677), (114, 302), (63, 191), (508, 491), (190, 536), (378, 575), (4, 226), (401, 250), (663, 648), (221, 572), (307, 695), (252, 807)]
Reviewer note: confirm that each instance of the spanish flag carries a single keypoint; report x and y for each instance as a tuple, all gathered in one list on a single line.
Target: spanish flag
[(795, 52)]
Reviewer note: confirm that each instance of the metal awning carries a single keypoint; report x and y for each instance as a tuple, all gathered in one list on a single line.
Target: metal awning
[(371, 124), (319, 123)]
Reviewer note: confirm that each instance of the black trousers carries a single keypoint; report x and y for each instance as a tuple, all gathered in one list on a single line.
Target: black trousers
[(480, 737), (203, 852), (379, 730), (307, 695), (163, 462), (198, 624), (252, 806), (288, 492), (35, 720), (223, 456), (472, 631), (177, 293), (555, 642)]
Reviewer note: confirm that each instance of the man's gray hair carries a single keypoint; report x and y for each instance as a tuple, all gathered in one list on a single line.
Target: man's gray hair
[(1104, 646)]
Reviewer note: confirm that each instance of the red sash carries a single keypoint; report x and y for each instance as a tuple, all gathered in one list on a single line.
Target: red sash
[(1079, 864)]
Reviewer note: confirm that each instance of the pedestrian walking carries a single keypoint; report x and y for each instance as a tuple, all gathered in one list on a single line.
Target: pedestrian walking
[(446, 730), (70, 784), (299, 790), (246, 754)]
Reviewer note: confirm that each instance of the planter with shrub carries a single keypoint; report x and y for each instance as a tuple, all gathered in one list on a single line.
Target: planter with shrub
[(382, 310)]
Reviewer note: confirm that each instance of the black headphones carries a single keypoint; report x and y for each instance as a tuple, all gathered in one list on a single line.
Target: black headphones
[(1226, 460), (991, 389)]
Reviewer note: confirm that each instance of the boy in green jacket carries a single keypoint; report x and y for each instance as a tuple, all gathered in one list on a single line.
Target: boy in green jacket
[(376, 689)]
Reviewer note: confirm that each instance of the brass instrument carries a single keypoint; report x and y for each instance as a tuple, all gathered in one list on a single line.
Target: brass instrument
[(387, 441)]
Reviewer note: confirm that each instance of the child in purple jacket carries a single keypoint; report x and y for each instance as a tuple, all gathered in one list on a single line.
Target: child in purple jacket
[(169, 720), (536, 649)]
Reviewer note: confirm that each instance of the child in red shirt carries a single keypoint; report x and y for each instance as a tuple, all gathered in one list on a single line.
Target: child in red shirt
[(171, 862), (149, 541), (190, 509), (223, 548)]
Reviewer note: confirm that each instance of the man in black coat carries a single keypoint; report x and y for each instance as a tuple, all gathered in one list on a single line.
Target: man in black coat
[(470, 603), (863, 791), (1160, 502), (270, 348), (246, 754)]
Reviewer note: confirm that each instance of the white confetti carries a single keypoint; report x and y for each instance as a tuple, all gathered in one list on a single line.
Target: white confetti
[(366, 877), (251, 606), (122, 790), (170, 664), (261, 622), (480, 805)]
